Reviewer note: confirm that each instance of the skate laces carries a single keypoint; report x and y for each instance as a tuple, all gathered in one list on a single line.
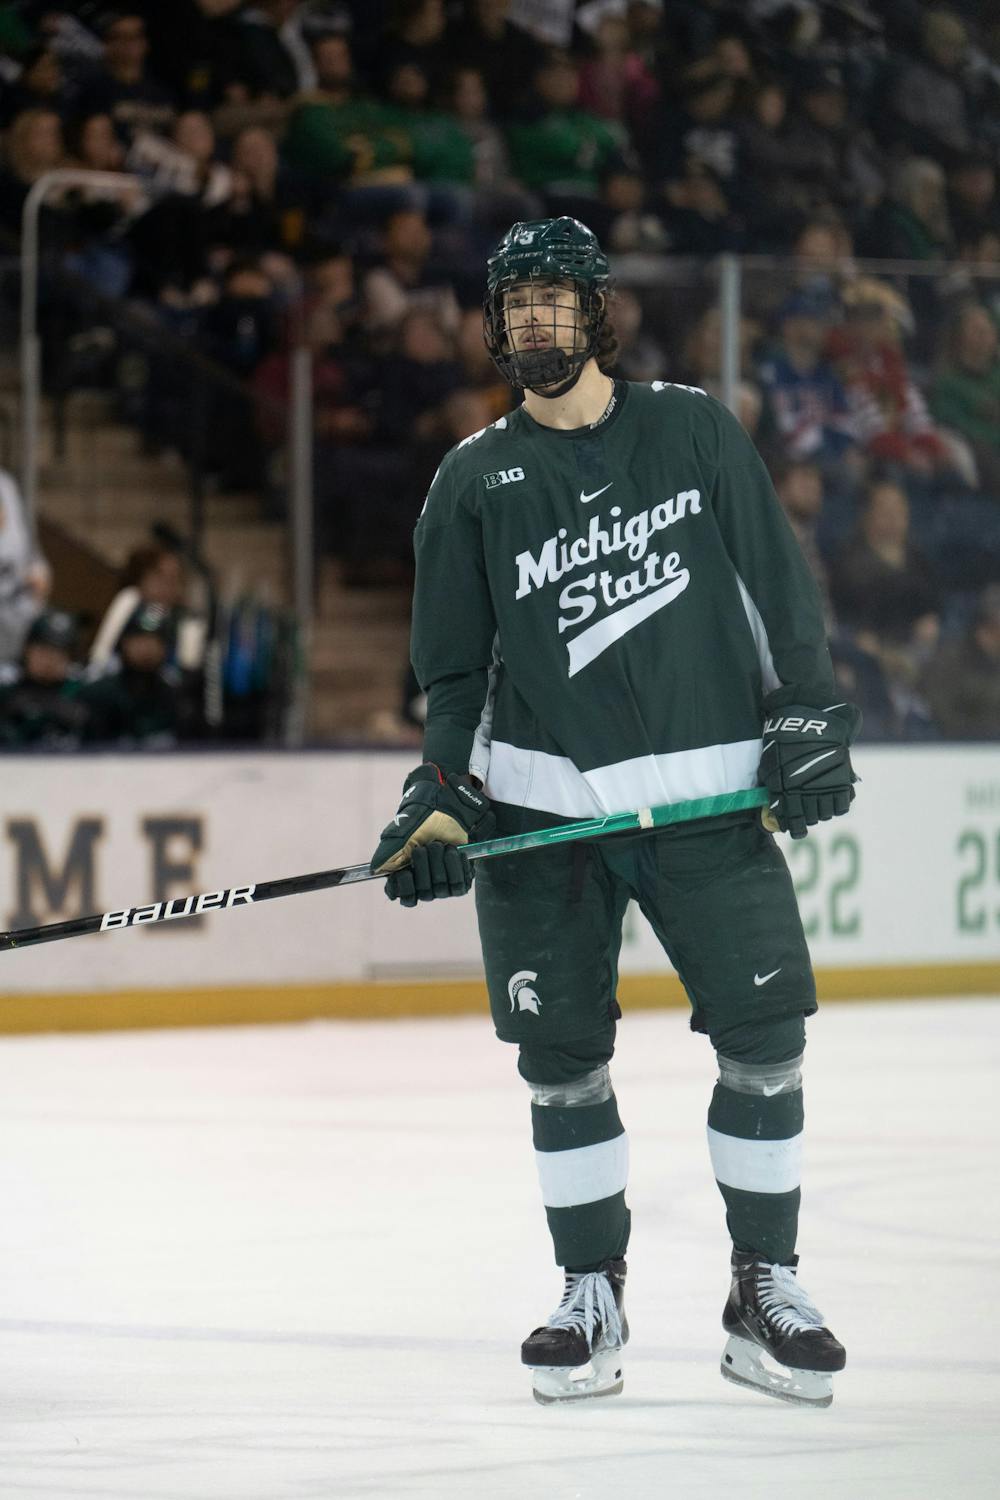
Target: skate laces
[(587, 1301), (785, 1302)]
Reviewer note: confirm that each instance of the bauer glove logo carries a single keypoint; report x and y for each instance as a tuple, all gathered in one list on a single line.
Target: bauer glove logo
[(795, 725)]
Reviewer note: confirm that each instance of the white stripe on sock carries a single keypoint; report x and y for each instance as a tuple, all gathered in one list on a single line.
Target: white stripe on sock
[(584, 1175), (756, 1166)]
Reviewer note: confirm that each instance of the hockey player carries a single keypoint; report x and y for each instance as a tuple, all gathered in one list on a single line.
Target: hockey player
[(611, 612)]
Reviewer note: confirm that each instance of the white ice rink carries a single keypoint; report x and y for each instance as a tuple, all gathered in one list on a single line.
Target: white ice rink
[(298, 1262)]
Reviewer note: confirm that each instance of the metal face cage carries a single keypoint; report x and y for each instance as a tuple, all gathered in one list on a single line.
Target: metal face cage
[(536, 338)]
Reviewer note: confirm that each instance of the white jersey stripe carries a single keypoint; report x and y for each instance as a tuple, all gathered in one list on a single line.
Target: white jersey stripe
[(552, 783), (769, 676)]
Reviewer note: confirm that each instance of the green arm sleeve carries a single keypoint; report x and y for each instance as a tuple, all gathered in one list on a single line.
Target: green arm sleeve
[(779, 588), (454, 626), (454, 709)]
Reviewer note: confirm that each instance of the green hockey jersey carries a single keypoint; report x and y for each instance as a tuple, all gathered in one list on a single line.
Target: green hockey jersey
[(603, 617)]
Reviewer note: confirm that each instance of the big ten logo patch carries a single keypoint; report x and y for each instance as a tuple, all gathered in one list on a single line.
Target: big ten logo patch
[(503, 476)]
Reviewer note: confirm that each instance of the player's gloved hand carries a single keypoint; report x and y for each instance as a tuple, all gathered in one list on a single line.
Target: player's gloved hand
[(420, 849), (806, 765)]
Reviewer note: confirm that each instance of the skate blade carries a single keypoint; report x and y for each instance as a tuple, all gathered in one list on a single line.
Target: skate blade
[(743, 1364), (601, 1376)]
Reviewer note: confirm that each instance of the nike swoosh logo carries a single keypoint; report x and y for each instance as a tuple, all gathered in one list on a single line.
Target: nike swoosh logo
[(589, 644), (760, 979), (586, 499), (814, 762), (768, 1092)]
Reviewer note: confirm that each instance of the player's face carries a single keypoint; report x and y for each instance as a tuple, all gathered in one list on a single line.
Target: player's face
[(543, 315)]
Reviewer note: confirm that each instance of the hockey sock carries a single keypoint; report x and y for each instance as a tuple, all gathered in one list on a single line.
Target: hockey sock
[(755, 1136), (582, 1154)]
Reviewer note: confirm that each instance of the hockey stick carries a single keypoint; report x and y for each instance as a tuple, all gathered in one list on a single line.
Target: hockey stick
[(298, 885)]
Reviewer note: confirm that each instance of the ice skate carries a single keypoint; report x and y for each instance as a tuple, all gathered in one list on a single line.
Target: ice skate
[(777, 1341), (578, 1353)]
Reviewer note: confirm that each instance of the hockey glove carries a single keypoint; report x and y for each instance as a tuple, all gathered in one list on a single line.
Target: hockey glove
[(806, 765), (420, 849)]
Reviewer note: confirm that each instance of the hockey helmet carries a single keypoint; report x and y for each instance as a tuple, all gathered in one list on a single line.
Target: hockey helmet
[(536, 254)]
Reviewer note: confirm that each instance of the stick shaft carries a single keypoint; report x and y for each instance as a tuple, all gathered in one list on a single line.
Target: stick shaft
[(298, 885)]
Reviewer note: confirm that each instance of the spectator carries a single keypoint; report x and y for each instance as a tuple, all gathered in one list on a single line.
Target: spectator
[(615, 83), (95, 144), (837, 158), (806, 400), (962, 681), (123, 88), (442, 149), (406, 279), (152, 575), (625, 219), (204, 176), (702, 363), (479, 373), (886, 595), (891, 416), (883, 588), (137, 702), (648, 36), (41, 85), (238, 331), (640, 356), (344, 376), (974, 276), (469, 103), (416, 380), (41, 708), (699, 217), (972, 196), (269, 56), (506, 56), (799, 487), (928, 101), (171, 241), (913, 223), (499, 199), (558, 149), (34, 146), (95, 220), (25, 578), (416, 35), (269, 207), (336, 132), (703, 130), (965, 396), (774, 160)]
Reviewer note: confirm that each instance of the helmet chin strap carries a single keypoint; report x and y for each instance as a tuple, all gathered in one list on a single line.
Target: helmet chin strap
[(546, 368), (548, 394)]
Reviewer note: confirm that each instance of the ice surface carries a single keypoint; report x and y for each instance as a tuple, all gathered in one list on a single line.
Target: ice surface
[(298, 1262)]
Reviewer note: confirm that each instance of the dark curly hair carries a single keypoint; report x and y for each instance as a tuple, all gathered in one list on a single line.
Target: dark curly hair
[(606, 352)]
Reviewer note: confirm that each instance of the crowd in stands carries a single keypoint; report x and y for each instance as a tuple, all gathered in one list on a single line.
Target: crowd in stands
[(331, 174)]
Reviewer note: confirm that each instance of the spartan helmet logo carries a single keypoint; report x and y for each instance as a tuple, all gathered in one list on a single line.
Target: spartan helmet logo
[(522, 997)]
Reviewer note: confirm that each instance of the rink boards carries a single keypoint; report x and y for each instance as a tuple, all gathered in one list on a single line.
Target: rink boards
[(900, 898)]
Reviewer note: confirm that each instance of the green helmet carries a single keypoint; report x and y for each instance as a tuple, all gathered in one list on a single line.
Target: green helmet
[(529, 255)]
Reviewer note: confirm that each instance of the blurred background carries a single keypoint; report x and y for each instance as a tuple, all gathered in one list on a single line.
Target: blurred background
[(241, 269), (242, 264)]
